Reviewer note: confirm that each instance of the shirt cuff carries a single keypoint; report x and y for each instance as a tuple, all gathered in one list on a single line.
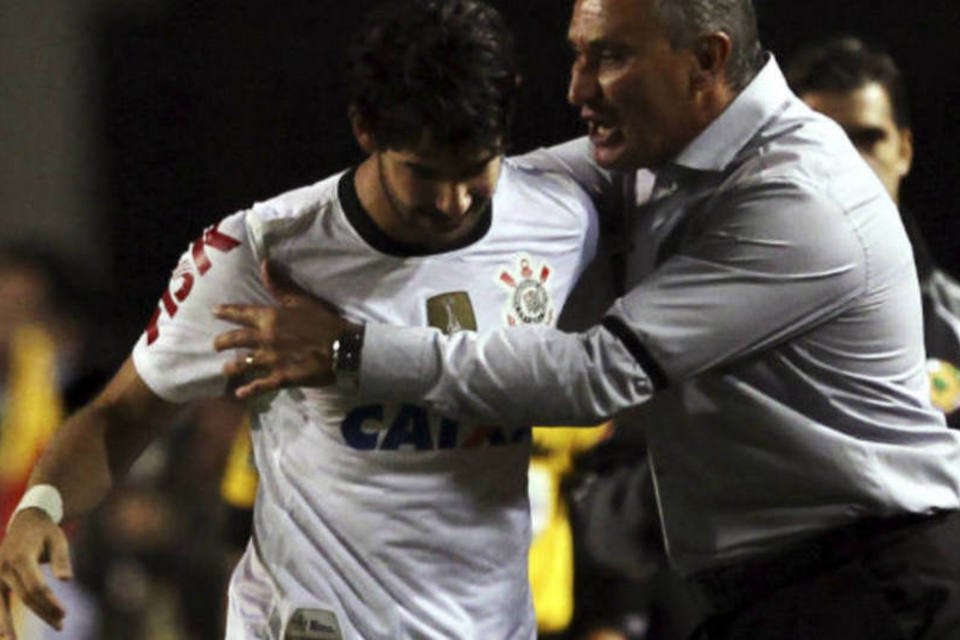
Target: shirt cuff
[(398, 363)]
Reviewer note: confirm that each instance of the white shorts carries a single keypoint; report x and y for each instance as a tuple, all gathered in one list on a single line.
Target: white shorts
[(248, 599)]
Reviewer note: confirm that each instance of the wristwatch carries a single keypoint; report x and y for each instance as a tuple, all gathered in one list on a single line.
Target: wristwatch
[(345, 357)]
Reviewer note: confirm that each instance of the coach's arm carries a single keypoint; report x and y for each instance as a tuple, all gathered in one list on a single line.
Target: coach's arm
[(87, 454)]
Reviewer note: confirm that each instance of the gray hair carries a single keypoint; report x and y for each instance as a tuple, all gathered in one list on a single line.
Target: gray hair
[(687, 20)]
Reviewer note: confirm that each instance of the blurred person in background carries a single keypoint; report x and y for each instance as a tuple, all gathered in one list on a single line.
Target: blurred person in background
[(863, 90), (48, 368), (145, 558)]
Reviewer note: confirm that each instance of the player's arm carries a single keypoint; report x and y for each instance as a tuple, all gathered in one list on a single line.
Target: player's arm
[(612, 192), (574, 158), (87, 455)]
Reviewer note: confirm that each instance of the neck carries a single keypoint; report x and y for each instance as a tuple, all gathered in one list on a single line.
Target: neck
[(373, 195)]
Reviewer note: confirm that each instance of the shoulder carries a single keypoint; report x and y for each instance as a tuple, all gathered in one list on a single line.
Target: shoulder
[(801, 186), (803, 163), (291, 214), (223, 263), (543, 189), (573, 159), (803, 148)]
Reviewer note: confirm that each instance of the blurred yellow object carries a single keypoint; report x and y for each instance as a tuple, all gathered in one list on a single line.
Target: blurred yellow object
[(238, 488), (33, 409), (944, 385), (551, 549)]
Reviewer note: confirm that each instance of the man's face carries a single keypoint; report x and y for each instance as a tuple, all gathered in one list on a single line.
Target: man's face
[(633, 89), (867, 117), (436, 195)]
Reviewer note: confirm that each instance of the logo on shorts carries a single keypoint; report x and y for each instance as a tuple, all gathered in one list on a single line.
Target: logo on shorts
[(451, 312), (312, 624), (530, 301)]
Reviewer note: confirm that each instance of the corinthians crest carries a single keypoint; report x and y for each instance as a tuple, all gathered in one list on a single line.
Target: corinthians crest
[(530, 301)]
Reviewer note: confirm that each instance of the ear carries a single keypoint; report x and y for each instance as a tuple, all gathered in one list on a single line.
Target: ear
[(905, 160), (711, 53), (362, 131)]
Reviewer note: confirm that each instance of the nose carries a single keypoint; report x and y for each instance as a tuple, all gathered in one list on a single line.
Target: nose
[(454, 199), (583, 84)]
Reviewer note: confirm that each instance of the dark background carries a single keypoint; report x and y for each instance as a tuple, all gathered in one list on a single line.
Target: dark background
[(208, 107)]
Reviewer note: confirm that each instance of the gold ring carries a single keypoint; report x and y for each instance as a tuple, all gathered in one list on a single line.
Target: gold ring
[(248, 361)]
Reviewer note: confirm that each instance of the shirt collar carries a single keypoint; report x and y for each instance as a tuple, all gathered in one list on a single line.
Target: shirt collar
[(718, 144)]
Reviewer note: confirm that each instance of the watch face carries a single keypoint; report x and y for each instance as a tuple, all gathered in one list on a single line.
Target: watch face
[(346, 357)]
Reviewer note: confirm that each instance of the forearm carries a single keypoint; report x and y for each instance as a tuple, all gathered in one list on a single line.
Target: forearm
[(515, 376), (81, 463), (98, 444)]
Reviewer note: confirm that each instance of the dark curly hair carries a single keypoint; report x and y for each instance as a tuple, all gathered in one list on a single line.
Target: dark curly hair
[(443, 67)]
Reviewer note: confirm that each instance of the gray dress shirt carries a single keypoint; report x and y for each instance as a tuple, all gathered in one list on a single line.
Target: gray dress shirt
[(770, 342)]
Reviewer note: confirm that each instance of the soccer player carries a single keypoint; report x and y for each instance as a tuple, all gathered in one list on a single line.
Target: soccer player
[(373, 520)]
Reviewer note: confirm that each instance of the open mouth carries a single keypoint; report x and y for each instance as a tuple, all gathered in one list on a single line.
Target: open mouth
[(602, 132)]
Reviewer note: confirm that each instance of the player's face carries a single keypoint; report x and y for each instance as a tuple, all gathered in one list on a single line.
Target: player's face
[(436, 195), (633, 88), (867, 116)]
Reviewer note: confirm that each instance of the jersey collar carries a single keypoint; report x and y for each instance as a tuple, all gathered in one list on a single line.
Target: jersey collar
[(363, 224)]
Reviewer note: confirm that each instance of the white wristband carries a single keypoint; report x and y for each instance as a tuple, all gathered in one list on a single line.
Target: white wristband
[(45, 497)]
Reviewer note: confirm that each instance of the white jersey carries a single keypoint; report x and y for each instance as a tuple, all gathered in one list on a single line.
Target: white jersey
[(373, 520)]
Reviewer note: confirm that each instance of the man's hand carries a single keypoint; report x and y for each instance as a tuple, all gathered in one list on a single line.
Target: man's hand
[(288, 345), (31, 538)]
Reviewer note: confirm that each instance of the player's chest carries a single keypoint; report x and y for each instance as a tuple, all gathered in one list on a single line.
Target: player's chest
[(453, 293)]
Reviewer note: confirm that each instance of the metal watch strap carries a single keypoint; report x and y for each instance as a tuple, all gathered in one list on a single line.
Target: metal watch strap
[(345, 357)]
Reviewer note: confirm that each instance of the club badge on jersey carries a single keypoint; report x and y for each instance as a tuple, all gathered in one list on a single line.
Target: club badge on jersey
[(530, 301)]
